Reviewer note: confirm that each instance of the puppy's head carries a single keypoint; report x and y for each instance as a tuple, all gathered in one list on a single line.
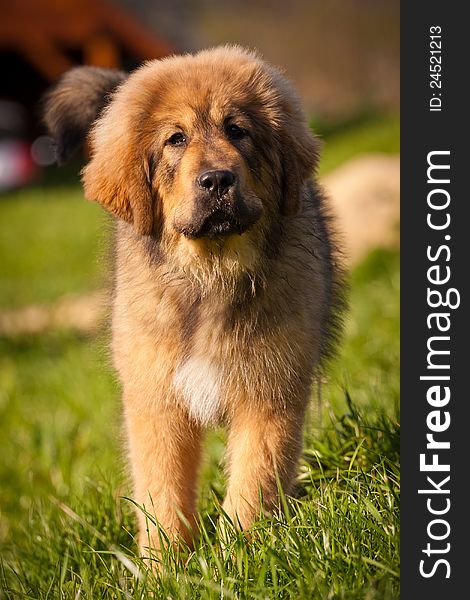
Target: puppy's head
[(203, 147)]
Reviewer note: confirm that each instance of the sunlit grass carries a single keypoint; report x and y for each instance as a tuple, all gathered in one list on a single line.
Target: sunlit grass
[(362, 135), (50, 243)]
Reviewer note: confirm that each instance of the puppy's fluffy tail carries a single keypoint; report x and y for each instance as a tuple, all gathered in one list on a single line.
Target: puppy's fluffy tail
[(72, 106)]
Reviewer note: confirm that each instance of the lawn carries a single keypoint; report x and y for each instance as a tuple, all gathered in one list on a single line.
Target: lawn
[(66, 522)]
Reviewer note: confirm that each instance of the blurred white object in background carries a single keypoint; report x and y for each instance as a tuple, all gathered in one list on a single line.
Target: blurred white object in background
[(16, 164), (364, 195)]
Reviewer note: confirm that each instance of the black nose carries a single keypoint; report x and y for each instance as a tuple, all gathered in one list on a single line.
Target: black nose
[(217, 182)]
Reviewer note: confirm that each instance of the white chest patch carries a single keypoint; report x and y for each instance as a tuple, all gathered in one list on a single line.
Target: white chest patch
[(200, 382)]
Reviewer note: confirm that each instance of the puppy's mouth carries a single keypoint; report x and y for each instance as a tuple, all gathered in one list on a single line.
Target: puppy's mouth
[(219, 223)]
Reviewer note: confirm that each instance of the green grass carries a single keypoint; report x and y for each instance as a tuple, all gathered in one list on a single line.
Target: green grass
[(66, 525), (361, 135), (367, 364), (49, 244)]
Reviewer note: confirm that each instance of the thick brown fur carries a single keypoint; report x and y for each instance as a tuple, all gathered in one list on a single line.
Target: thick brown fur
[(225, 301)]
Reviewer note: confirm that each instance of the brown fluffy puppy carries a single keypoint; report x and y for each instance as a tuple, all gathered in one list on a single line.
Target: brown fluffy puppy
[(226, 288)]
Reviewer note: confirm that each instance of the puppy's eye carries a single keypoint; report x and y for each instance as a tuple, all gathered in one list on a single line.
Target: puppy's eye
[(235, 132), (177, 139)]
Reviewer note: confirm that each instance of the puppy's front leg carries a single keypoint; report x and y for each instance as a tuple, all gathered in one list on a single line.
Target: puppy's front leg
[(164, 449), (262, 445)]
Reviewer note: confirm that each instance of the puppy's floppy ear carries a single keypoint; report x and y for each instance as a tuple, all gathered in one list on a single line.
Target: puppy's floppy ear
[(299, 156), (119, 174), (74, 103)]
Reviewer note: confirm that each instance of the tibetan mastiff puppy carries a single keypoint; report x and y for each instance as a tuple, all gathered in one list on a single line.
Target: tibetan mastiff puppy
[(227, 288)]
